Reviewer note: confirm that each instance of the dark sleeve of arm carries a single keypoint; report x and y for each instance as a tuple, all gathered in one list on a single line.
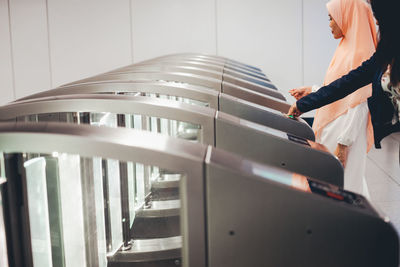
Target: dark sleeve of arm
[(340, 88)]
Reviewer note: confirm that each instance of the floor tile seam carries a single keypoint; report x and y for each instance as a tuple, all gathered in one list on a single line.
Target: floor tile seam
[(383, 170)]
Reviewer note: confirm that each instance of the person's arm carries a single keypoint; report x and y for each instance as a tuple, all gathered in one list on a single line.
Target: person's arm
[(340, 88)]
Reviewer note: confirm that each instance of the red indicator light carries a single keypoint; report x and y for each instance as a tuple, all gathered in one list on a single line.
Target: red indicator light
[(333, 195)]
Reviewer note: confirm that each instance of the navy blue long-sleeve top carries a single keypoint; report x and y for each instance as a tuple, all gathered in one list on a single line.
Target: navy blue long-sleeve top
[(379, 104)]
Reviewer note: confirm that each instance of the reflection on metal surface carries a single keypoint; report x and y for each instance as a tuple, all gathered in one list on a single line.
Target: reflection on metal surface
[(273, 174), (151, 250), (318, 146), (166, 208), (167, 181), (300, 182), (189, 131)]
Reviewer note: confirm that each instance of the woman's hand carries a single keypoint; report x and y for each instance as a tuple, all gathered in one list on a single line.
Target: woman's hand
[(300, 92), (342, 152), (294, 111)]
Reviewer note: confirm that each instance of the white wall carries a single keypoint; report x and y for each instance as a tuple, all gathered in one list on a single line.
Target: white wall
[(267, 34), (164, 27), (6, 75), (88, 37), (54, 41), (30, 47), (319, 43)]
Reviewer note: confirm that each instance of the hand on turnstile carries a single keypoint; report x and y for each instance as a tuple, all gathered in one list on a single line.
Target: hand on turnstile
[(293, 112), (300, 92), (341, 152)]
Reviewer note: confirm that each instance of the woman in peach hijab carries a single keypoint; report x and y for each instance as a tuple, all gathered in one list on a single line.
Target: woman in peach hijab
[(345, 126)]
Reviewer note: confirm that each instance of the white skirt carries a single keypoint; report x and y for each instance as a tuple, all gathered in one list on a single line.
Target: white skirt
[(354, 173)]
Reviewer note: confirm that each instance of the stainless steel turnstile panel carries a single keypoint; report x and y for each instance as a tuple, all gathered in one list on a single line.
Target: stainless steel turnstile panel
[(276, 148), (208, 65), (122, 145), (169, 68), (240, 80), (202, 96), (179, 89), (230, 133), (255, 97), (268, 216), (214, 60), (228, 75), (266, 211), (181, 76), (265, 116), (162, 109), (167, 61), (274, 220), (154, 76)]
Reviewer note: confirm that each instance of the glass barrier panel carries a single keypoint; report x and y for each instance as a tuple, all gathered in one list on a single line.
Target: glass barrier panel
[(103, 119), (193, 102), (147, 182), (183, 130), (55, 210), (131, 191), (72, 209), (67, 223), (140, 185), (129, 123), (178, 98), (170, 97), (31, 118), (100, 211), (174, 128), (140, 177), (2, 166), (35, 170), (139, 124), (154, 125), (75, 210), (114, 202), (69, 117)]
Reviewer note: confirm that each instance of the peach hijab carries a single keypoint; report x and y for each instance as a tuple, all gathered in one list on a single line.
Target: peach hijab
[(355, 19)]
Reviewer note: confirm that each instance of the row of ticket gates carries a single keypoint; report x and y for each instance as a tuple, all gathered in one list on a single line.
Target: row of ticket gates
[(182, 160)]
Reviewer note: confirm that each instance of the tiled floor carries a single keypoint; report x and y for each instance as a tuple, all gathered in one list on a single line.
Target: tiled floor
[(383, 178)]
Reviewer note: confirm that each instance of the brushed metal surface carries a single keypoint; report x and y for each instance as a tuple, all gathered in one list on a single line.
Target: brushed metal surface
[(273, 224), (198, 93), (117, 104)]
